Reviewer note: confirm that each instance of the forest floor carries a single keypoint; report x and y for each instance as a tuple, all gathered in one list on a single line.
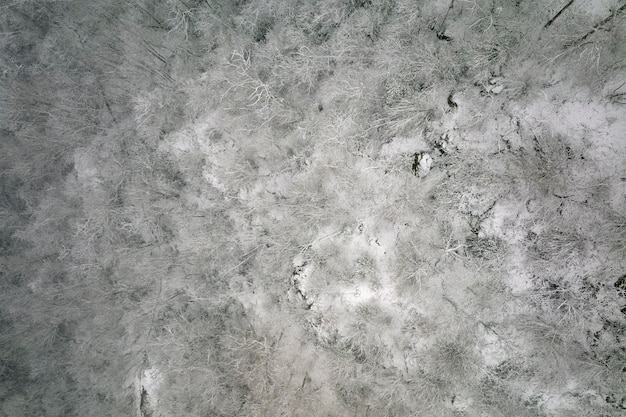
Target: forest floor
[(340, 208)]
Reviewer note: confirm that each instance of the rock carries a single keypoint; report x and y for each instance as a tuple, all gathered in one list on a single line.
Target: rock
[(422, 163), (451, 101), (445, 144), (442, 144)]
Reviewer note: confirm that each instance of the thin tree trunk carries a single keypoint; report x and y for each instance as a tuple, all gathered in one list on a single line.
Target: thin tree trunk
[(558, 14)]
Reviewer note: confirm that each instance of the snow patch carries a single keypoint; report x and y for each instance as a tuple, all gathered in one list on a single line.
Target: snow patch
[(212, 179), (149, 384), (403, 146), (86, 167), (493, 351), (151, 380)]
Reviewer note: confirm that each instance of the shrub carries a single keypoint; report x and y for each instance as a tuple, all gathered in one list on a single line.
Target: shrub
[(485, 248), (454, 359)]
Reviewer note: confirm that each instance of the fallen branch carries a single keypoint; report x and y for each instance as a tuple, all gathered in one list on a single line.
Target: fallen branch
[(598, 26), (245, 258), (558, 14)]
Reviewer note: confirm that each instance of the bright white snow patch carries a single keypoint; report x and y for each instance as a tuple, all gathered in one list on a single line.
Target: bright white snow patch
[(151, 381)]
